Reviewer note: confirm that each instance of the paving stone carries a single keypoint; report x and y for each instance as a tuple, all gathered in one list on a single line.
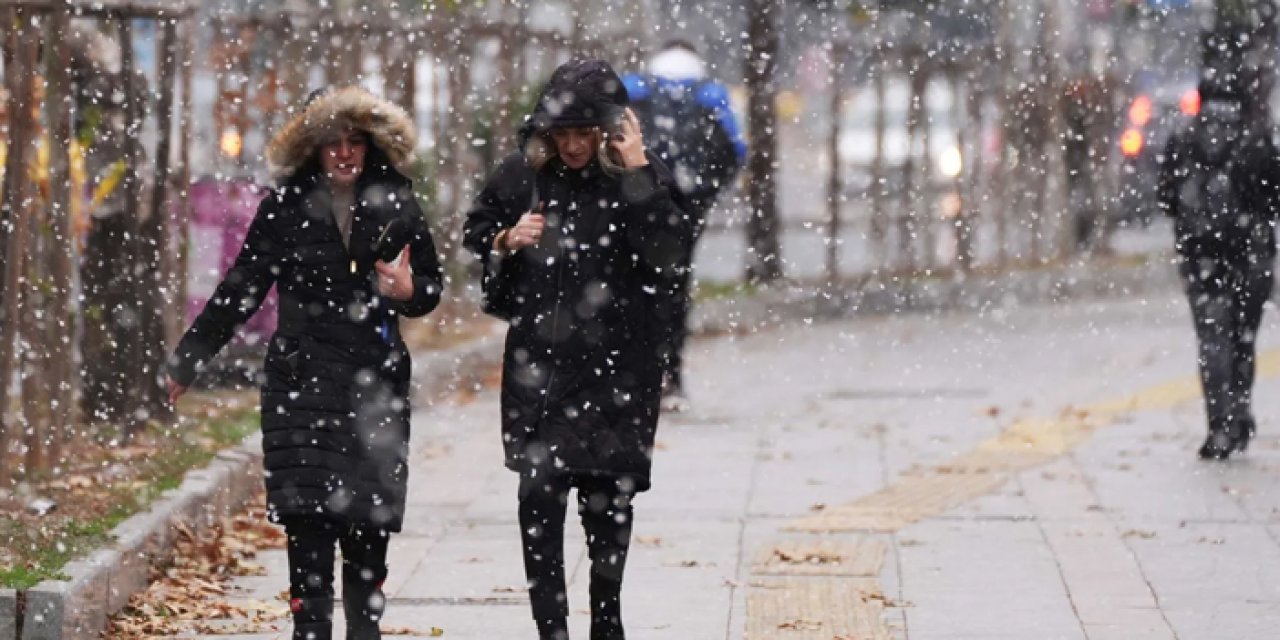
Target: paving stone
[(815, 609), (983, 579), (46, 613), (857, 557), (8, 614)]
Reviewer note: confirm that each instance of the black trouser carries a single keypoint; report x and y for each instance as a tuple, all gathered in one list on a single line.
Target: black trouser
[(364, 568), (605, 509), (682, 301), (1226, 299)]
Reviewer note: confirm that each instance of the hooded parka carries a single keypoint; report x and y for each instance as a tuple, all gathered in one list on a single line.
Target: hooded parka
[(335, 406), (582, 368)]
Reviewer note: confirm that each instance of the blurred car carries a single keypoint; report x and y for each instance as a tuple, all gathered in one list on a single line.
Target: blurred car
[(1150, 118), (858, 136)]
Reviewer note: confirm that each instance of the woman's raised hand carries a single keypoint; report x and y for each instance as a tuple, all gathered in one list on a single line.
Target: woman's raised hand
[(527, 232), (395, 281), (629, 142)]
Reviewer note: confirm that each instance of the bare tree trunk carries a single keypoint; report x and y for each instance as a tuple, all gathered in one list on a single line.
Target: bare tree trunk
[(926, 199), (332, 55), (62, 247), (34, 355), (156, 234), (266, 99), (355, 33), (129, 322), (908, 218), (438, 114), (1009, 160), (764, 260), (19, 73), (1042, 111), (244, 62), (965, 107), (183, 221), (408, 62), (834, 185), (509, 86), (879, 221), (296, 58), (959, 186), (457, 141)]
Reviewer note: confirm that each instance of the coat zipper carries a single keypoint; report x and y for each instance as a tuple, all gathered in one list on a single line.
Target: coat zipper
[(555, 325)]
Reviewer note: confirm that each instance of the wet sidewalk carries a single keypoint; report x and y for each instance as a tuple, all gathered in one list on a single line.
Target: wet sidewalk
[(1022, 473)]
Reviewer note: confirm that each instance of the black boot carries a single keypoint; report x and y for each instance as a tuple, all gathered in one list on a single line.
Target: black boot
[(553, 632), (312, 618), (1219, 445), (312, 631), (1243, 433), (364, 604)]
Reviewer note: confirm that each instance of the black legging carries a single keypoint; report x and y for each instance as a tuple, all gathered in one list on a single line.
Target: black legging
[(364, 568), (606, 513), (1226, 299)]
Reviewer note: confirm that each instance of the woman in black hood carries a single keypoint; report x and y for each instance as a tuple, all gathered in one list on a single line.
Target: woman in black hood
[(580, 235), (335, 396)]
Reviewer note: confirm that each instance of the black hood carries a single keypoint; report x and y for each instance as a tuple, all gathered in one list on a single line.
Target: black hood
[(580, 93), (1226, 73)]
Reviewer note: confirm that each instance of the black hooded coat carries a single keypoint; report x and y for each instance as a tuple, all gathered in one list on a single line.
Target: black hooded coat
[(582, 368), (335, 406)]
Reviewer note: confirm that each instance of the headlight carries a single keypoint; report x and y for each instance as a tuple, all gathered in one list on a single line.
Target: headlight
[(951, 163), (1131, 143)]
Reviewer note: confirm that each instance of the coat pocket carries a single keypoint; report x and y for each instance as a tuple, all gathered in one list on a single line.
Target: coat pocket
[(283, 366)]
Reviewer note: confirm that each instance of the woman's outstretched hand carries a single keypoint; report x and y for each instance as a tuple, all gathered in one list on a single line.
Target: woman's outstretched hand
[(175, 390), (395, 281), (629, 142)]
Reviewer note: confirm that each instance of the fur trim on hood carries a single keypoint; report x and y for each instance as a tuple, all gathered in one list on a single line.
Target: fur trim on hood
[(389, 128)]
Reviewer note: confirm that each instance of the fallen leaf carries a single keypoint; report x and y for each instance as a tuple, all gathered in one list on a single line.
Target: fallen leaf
[(649, 541), (801, 624), (1138, 533)]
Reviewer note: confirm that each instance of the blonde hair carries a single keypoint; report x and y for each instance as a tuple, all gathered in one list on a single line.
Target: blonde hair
[(540, 150)]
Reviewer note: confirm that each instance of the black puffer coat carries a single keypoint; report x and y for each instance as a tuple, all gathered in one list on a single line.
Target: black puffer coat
[(335, 409), (1201, 146), (582, 372), (581, 378)]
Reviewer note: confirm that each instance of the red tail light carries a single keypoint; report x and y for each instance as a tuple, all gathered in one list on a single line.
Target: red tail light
[(1131, 142), (1140, 111), (1190, 102)]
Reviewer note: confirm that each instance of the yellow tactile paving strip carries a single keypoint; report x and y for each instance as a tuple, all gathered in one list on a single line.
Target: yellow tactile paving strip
[(860, 557), (803, 609), (829, 603)]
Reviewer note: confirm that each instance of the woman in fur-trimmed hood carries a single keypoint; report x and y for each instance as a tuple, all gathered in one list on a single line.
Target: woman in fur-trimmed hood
[(343, 239)]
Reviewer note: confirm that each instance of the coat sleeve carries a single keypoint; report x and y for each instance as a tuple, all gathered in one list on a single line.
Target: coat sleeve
[(491, 212), (236, 298), (714, 96), (428, 275), (1264, 176), (658, 229), (1173, 172)]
